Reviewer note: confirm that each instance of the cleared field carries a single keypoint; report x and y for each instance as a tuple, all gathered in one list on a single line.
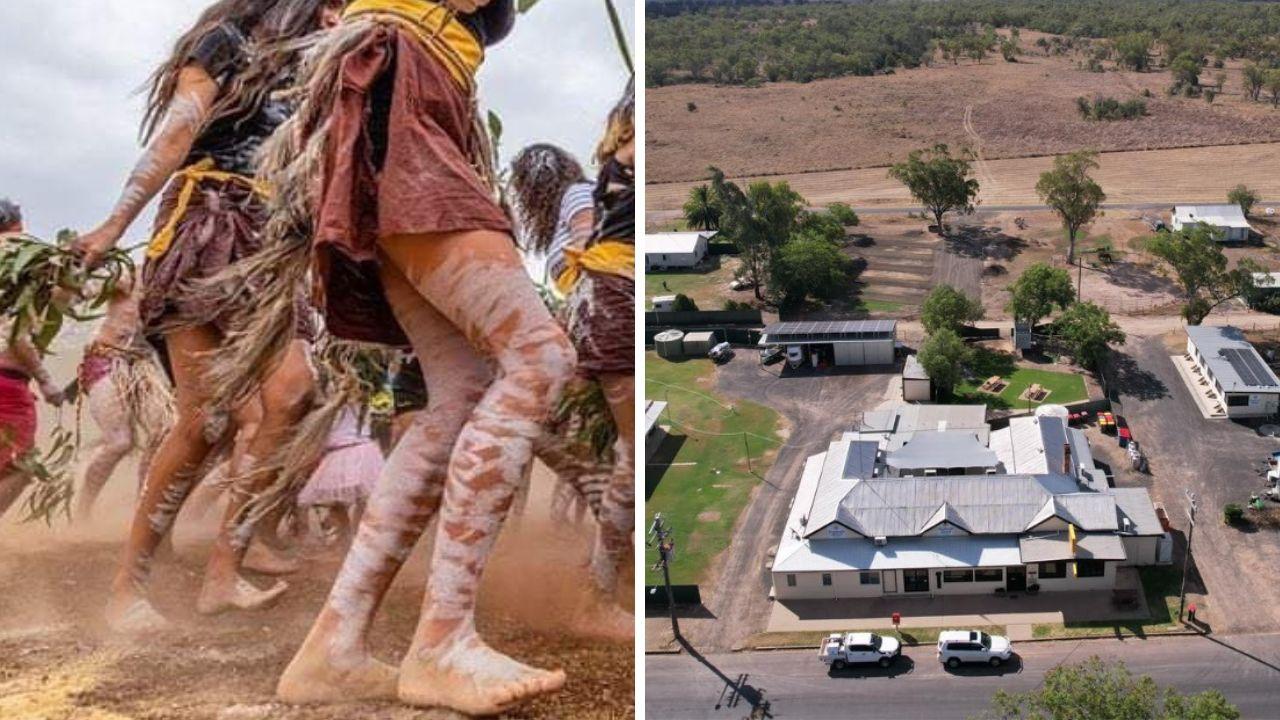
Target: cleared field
[(1018, 109), (1202, 174)]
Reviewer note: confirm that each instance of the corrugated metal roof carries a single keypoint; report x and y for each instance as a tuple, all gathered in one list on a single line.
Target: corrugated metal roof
[(913, 370), (1216, 215), (1135, 504), (824, 327), (902, 422), (653, 410), (1234, 362), (858, 554), (674, 243), (952, 449), (1057, 546)]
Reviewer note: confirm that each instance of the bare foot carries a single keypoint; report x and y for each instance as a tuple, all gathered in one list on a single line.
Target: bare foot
[(133, 615), (238, 594), (318, 674), (467, 676), (263, 559)]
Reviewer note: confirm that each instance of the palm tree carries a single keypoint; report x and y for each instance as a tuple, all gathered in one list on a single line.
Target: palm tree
[(701, 211)]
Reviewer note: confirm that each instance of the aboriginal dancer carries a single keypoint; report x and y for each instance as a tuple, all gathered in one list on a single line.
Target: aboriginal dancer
[(211, 106), (19, 365), (385, 178), (600, 281)]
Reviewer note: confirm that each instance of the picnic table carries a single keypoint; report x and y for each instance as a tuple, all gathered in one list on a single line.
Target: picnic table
[(1107, 422)]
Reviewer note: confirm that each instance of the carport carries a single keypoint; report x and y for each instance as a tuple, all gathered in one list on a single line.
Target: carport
[(839, 342)]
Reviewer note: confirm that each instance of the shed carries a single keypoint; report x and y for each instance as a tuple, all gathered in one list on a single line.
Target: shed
[(664, 303), (676, 249), (839, 342), (699, 343), (916, 385), (654, 433), (1228, 221)]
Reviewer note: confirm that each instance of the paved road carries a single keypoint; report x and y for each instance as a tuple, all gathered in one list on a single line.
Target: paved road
[(794, 684)]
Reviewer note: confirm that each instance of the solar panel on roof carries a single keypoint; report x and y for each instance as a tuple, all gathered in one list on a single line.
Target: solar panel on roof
[(1248, 367)]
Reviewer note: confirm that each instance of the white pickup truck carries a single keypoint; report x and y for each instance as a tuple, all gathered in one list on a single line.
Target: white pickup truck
[(858, 647)]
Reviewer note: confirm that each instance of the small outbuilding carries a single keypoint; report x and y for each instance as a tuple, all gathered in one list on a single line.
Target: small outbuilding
[(916, 385), (698, 344), (1228, 221), (1242, 381), (654, 433), (678, 250), (664, 303), (838, 342)]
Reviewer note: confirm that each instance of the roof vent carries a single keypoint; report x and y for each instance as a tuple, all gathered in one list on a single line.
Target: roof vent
[(1126, 524), (881, 541), (804, 521)]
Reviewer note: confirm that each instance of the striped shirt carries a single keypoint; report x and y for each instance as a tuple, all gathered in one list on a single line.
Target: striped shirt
[(576, 199)]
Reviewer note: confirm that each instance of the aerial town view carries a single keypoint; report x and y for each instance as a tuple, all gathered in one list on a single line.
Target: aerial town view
[(961, 324)]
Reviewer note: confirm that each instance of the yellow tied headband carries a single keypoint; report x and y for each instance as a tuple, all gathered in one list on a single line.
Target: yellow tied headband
[(435, 26)]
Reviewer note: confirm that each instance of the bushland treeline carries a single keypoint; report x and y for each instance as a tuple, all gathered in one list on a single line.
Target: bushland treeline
[(745, 43)]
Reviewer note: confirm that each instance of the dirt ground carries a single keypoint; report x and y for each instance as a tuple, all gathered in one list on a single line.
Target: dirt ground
[(58, 662), (1003, 109)]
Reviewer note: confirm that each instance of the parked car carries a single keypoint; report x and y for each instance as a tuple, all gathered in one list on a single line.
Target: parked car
[(720, 353), (770, 355), (856, 648), (795, 356), (741, 284), (972, 646)]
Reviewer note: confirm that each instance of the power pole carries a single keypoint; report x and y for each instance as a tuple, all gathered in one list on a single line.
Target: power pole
[(660, 536), (1186, 555)]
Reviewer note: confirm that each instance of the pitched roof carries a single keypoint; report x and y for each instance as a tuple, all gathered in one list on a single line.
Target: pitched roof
[(1135, 504), (1087, 511), (674, 242), (1057, 546), (1234, 362), (951, 449), (961, 551), (1216, 215)]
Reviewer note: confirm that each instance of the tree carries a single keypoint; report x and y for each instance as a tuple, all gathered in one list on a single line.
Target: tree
[(1244, 197), (759, 221), (1254, 78), (1197, 261), (1273, 86), (938, 181), (809, 266), (1038, 292), (1086, 331), (946, 308), (684, 303), (1186, 73), (1133, 50), (943, 357), (701, 211), (1069, 190), (1106, 691), (844, 214)]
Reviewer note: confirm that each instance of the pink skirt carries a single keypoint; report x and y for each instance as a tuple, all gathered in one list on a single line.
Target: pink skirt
[(346, 475)]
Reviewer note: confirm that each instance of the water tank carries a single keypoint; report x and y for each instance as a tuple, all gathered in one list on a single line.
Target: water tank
[(669, 344), (1057, 411)]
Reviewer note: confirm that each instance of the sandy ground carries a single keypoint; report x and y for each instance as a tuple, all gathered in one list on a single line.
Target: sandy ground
[(1006, 109), (58, 662)]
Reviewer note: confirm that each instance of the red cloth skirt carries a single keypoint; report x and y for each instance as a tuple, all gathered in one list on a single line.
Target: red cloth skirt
[(17, 418)]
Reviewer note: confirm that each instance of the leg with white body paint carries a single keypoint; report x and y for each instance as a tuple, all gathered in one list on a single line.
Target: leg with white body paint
[(478, 282), (334, 663), (615, 541), (110, 413), (174, 472), (286, 394)]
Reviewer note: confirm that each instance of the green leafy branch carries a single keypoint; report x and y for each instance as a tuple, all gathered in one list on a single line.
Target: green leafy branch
[(51, 485)]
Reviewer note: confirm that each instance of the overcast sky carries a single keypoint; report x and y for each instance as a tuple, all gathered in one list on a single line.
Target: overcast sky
[(69, 113)]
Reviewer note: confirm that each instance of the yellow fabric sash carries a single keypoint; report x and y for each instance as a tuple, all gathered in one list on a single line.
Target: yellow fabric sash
[(192, 176), (435, 26), (608, 256)]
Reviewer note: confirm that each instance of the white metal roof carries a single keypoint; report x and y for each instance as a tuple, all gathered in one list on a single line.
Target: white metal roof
[(1234, 362), (933, 552), (913, 370), (1135, 504), (674, 243), (950, 449), (653, 410), (1216, 215), (1049, 547)]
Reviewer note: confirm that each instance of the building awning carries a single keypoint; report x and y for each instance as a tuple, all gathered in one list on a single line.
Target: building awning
[(1051, 547), (905, 553)]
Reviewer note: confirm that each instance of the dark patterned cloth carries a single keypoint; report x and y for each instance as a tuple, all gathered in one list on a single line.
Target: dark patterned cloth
[(233, 141), (221, 226), (602, 324)]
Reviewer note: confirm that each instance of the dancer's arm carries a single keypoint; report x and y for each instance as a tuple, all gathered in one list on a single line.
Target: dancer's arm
[(195, 95), (25, 354)]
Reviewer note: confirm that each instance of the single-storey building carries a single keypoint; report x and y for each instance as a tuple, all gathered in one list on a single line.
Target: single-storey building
[(837, 342), (654, 433), (1228, 221), (664, 303), (916, 385), (675, 249), (859, 527), (1242, 381)]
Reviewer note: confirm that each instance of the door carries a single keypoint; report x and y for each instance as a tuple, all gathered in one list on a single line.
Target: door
[(915, 580), (889, 582), (1015, 578)]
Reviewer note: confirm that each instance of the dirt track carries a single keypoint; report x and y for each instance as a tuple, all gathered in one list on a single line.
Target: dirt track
[(57, 661)]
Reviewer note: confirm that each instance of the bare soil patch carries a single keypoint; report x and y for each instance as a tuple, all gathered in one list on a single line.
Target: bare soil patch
[(1007, 109)]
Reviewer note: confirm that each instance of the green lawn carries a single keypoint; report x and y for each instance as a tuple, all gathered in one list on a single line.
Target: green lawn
[(909, 637), (879, 306), (695, 285), (707, 484), (1063, 387), (1161, 584)]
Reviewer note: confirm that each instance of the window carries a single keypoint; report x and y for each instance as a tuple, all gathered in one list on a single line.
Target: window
[(1090, 568), (869, 577), (1053, 570), (1237, 400), (957, 576), (791, 580), (826, 579), (988, 575)]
